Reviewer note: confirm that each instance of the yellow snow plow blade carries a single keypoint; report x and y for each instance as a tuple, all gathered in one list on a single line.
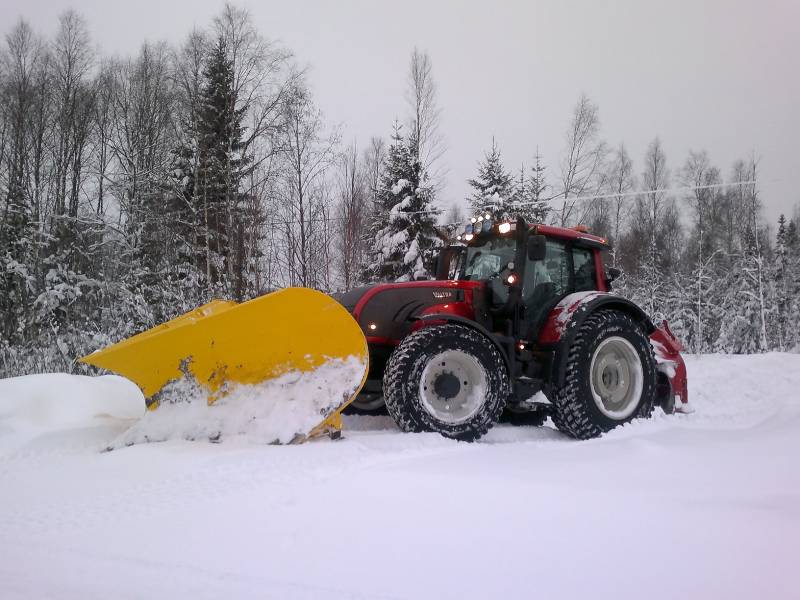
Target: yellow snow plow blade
[(223, 343)]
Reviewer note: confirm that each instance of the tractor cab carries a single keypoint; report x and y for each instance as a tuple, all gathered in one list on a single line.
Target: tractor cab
[(526, 270)]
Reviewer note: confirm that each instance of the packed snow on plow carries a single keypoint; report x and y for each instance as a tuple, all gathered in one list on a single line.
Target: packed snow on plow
[(281, 410)]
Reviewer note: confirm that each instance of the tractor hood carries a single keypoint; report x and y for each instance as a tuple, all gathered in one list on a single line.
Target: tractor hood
[(388, 311)]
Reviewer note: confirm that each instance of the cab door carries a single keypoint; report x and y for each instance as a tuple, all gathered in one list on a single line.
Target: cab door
[(566, 268)]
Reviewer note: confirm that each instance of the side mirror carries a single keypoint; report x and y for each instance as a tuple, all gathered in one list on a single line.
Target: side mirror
[(537, 247), (442, 264), (612, 273)]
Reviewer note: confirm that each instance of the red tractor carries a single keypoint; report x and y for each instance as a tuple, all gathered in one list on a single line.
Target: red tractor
[(515, 310)]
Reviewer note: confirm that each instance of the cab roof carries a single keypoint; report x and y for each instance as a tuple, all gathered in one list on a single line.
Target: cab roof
[(571, 233), (579, 233)]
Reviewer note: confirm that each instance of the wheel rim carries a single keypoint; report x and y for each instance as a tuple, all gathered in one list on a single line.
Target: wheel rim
[(453, 386), (368, 401), (616, 378)]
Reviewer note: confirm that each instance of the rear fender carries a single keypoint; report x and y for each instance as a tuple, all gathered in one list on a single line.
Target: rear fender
[(564, 321)]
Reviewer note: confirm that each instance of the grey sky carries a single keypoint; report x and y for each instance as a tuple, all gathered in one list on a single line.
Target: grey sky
[(714, 75)]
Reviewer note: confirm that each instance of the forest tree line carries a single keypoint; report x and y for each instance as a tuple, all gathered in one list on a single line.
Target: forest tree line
[(134, 189)]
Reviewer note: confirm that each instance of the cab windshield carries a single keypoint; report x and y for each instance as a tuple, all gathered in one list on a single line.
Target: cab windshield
[(486, 259)]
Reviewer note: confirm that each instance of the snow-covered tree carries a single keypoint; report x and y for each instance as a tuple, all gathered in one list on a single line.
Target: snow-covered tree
[(538, 192), (407, 239), (786, 285), (222, 166), (493, 187), (792, 238), (530, 199), (645, 247), (21, 60), (792, 282), (742, 330)]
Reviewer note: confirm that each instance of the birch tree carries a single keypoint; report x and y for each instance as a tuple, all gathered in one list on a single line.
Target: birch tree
[(620, 180), (351, 216), (582, 162), (308, 152)]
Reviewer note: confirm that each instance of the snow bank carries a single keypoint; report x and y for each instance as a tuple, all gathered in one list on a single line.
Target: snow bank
[(275, 411)]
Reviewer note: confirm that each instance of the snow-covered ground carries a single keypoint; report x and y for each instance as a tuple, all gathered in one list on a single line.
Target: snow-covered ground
[(705, 505)]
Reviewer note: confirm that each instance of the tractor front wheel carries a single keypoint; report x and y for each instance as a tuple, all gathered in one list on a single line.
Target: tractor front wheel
[(446, 378), (610, 377), (367, 403)]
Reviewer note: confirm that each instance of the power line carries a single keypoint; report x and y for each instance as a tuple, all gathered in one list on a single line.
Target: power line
[(565, 200), (644, 192), (541, 202)]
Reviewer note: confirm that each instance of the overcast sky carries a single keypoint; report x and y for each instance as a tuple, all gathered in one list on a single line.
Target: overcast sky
[(717, 75)]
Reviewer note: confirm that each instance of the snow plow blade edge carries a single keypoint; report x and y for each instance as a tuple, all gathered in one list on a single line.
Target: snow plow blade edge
[(223, 343)]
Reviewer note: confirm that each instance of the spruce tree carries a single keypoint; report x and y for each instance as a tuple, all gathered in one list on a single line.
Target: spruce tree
[(17, 275), (494, 186), (792, 244), (530, 195), (786, 288), (217, 202), (792, 239), (407, 238), (184, 208)]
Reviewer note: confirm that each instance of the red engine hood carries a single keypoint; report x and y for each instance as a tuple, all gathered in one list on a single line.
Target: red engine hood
[(385, 311)]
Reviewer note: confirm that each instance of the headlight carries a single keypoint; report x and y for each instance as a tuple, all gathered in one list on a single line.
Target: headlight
[(504, 227)]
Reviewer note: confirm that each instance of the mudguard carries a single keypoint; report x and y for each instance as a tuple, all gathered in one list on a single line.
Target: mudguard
[(667, 350), (566, 317)]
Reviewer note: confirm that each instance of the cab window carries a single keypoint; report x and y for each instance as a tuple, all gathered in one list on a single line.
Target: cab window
[(550, 275), (585, 272), (488, 259)]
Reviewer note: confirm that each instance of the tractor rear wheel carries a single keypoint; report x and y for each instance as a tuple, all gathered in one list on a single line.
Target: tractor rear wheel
[(610, 377), (446, 378)]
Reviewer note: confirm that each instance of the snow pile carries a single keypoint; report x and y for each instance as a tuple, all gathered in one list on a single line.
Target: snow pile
[(37, 404), (275, 411)]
